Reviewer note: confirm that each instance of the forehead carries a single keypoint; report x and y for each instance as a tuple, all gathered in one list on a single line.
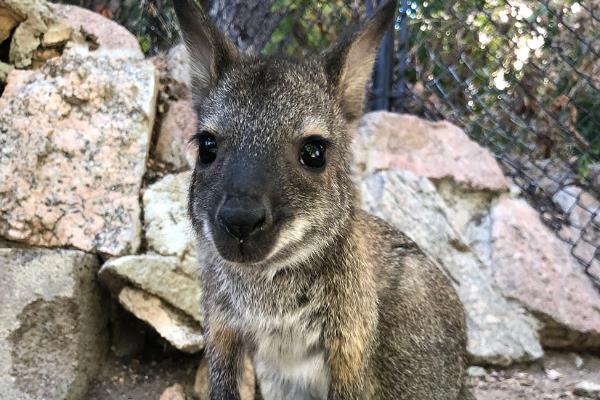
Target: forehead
[(268, 97)]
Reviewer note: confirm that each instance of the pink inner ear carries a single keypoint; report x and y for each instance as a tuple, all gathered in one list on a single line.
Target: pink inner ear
[(210, 51), (358, 54)]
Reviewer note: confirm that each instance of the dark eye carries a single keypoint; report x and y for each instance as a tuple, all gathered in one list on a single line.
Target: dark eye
[(312, 153), (207, 148)]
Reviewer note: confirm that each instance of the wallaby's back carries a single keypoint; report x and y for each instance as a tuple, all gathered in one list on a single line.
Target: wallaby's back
[(421, 320)]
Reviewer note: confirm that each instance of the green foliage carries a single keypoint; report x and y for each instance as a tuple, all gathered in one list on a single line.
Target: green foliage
[(513, 73), (309, 25)]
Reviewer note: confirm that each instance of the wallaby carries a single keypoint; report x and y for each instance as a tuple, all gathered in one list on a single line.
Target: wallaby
[(327, 301)]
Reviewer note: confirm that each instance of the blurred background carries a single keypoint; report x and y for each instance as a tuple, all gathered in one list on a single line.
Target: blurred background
[(481, 142)]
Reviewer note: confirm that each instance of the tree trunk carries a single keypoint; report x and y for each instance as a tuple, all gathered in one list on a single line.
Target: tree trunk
[(249, 23)]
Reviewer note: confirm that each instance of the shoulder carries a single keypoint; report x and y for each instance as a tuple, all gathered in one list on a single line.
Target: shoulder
[(382, 235), (395, 257)]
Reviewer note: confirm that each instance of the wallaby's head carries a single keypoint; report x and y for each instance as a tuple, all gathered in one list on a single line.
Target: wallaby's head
[(272, 178)]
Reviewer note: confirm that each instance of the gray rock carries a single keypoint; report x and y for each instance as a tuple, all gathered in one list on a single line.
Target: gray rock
[(500, 332), (5, 70), (181, 331), (553, 374), (587, 389), (178, 67), (167, 227), (157, 275), (578, 361), (52, 327)]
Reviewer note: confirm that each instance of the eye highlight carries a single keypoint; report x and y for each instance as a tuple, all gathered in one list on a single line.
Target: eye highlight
[(207, 147), (312, 153)]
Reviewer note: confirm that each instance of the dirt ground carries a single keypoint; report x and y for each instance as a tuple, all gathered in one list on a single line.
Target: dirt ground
[(146, 378), (554, 378)]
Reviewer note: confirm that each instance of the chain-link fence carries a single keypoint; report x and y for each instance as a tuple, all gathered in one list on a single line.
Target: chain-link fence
[(521, 77)]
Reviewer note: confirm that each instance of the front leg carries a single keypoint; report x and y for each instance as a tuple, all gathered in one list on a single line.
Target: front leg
[(349, 341), (225, 353)]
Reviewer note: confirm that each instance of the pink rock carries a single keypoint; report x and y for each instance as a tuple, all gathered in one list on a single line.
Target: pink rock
[(435, 150), (110, 35), (177, 127), (74, 137), (531, 265)]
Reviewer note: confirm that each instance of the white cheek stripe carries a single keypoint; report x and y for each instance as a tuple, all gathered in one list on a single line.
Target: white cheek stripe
[(206, 231), (296, 233)]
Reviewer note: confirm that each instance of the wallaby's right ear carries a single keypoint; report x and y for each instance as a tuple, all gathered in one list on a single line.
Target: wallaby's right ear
[(209, 50), (349, 62)]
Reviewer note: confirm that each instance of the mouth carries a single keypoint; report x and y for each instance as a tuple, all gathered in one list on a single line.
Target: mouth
[(249, 251)]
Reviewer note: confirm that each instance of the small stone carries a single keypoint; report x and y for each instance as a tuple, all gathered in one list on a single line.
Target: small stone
[(40, 56), (158, 275), (34, 17), (182, 332), (578, 362), (476, 372), (174, 392), (56, 35), (587, 389), (553, 374)]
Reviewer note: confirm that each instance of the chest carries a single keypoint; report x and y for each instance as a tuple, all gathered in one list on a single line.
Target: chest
[(285, 328), (289, 359)]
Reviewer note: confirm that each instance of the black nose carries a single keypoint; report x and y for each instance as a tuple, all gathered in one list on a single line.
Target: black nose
[(242, 217)]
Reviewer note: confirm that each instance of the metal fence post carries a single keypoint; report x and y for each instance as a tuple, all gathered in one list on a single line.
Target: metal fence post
[(382, 75), (403, 44)]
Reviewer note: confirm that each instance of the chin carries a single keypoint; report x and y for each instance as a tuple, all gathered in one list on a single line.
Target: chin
[(250, 251)]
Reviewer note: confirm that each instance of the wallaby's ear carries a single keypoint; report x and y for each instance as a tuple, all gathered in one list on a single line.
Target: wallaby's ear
[(349, 62), (210, 52)]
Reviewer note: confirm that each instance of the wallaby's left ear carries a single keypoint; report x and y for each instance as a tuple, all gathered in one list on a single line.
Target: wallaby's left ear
[(210, 51), (349, 62)]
